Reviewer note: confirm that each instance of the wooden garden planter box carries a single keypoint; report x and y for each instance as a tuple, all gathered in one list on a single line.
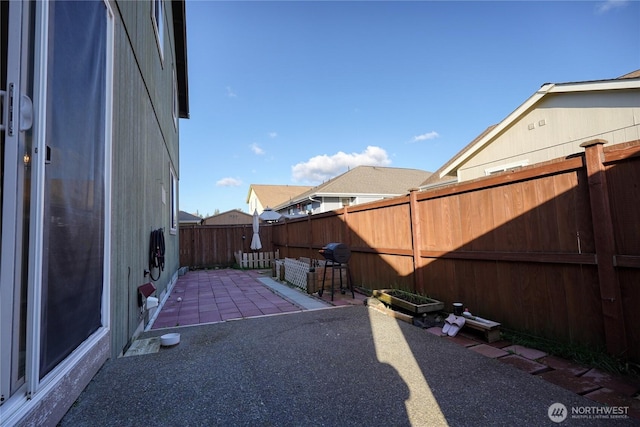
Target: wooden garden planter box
[(314, 280), (416, 304)]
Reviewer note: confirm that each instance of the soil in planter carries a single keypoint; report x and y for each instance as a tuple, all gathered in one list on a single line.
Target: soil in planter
[(409, 297)]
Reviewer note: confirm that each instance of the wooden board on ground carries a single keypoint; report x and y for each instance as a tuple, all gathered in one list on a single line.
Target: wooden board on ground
[(490, 329), (379, 305)]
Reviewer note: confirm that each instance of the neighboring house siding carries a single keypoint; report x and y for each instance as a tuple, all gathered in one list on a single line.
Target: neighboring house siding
[(557, 127), (263, 196), (145, 148), (330, 203), (365, 199), (254, 203)]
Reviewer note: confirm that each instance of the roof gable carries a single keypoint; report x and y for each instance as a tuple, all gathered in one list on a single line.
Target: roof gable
[(274, 195), (231, 211), (628, 81)]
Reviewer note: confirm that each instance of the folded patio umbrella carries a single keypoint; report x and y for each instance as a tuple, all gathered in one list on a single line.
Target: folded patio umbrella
[(255, 241)]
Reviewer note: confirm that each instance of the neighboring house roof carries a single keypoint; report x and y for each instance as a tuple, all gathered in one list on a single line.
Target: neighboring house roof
[(628, 81), (187, 218), (233, 216), (632, 75), (436, 179), (182, 75), (274, 195), (365, 180)]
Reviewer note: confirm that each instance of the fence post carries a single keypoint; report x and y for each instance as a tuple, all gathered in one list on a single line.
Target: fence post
[(347, 229), (610, 294), (310, 234), (286, 238), (418, 281), (192, 259)]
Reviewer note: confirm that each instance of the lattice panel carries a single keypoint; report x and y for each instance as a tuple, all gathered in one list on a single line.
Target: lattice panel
[(295, 272)]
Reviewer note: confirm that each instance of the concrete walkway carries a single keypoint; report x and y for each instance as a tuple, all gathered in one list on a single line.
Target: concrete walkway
[(344, 367)]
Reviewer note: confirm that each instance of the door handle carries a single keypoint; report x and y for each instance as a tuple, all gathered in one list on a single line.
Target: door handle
[(3, 98), (26, 113), (25, 119)]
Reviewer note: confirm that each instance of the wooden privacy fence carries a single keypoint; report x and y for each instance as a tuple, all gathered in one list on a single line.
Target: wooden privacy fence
[(551, 249), (205, 246)]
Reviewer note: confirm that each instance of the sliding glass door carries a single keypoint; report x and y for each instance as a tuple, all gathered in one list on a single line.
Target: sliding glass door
[(53, 152)]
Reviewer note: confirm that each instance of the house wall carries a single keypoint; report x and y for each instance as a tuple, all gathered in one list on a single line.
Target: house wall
[(333, 203), (145, 148), (327, 204), (254, 202), (557, 127), (365, 199)]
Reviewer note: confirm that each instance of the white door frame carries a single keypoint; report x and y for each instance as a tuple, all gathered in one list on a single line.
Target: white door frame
[(13, 191), (17, 397)]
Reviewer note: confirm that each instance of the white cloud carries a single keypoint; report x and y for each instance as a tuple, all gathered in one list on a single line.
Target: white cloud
[(425, 136), (273, 134), (608, 5), (257, 150), (323, 167), (231, 93), (229, 182)]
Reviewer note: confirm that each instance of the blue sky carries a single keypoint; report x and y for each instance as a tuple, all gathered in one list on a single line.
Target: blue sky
[(296, 92)]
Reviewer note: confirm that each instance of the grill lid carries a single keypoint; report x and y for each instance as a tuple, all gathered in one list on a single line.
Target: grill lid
[(336, 252)]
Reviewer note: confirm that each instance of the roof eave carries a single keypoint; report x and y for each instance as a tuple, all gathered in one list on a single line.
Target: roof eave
[(180, 34), (535, 98)]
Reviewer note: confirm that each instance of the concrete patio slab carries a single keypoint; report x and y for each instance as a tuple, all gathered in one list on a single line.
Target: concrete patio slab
[(524, 364), (578, 385), (619, 385), (343, 367), (563, 365), (488, 351), (529, 353)]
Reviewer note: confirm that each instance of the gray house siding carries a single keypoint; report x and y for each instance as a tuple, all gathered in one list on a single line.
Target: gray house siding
[(92, 183), (145, 150)]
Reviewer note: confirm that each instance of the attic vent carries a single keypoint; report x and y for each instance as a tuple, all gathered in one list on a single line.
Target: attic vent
[(507, 167)]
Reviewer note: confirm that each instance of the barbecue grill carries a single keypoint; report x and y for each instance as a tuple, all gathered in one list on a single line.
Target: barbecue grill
[(336, 252), (337, 256)]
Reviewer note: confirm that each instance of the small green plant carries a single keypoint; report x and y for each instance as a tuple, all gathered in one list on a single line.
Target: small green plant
[(410, 297)]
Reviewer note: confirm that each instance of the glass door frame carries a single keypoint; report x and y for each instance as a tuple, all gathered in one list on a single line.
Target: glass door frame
[(12, 272), (28, 41)]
